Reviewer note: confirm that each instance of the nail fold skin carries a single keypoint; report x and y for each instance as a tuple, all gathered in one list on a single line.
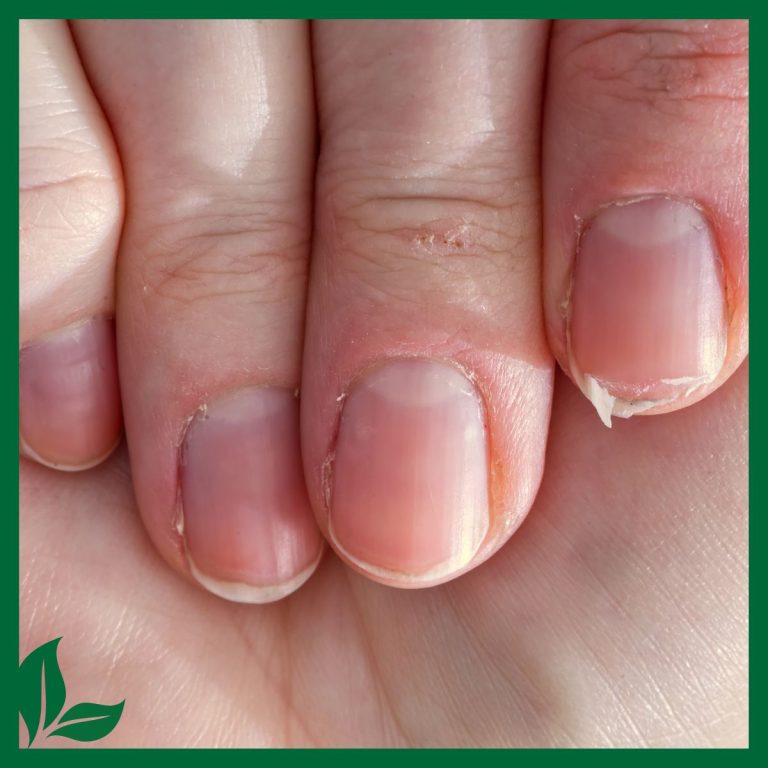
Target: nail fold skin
[(249, 532), (409, 500), (647, 311), (69, 401)]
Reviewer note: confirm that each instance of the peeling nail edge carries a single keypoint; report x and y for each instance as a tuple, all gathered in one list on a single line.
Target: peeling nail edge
[(606, 404), (240, 592), (600, 398), (26, 451)]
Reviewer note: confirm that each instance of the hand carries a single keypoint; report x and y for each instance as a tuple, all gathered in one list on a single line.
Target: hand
[(616, 614)]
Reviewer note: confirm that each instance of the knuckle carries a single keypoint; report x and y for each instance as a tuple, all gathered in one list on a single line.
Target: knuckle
[(62, 148), (667, 66), (69, 191), (81, 212), (417, 248), (242, 254)]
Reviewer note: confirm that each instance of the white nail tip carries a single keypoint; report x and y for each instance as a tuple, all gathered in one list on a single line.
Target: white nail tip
[(240, 592), (415, 580), (29, 453)]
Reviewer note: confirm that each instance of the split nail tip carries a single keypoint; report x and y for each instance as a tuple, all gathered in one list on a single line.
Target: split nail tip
[(608, 405), (240, 592), (600, 398)]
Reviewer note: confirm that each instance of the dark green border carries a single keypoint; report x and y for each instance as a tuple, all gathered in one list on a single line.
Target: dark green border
[(493, 9), (394, 9)]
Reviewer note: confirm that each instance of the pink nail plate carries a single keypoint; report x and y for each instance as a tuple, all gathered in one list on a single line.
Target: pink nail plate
[(647, 305), (249, 532), (69, 400), (410, 473)]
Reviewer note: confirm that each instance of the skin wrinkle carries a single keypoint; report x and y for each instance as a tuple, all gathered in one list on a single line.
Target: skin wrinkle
[(232, 261), (48, 132), (576, 554), (640, 67), (92, 210), (398, 250), (487, 182), (672, 541), (394, 217), (76, 181), (75, 141), (203, 213), (293, 715), (487, 658), (666, 101), (384, 696), (259, 654), (210, 196), (700, 39), (384, 261), (193, 281), (436, 699)]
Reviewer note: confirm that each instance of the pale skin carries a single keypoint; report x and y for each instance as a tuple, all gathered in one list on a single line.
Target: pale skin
[(441, 244)]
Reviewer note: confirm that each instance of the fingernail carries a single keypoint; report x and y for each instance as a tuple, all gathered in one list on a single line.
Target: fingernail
[(69, 399), (647, 307), (409, 497), (249, 533)]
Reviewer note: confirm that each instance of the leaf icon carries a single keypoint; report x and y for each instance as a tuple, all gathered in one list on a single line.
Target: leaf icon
[(94, 721), (40, 670), (39, 674)]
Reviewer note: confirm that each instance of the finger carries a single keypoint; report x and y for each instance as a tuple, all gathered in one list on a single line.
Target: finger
[(426, 382), (645, 209), (215, 125), (70, 213)]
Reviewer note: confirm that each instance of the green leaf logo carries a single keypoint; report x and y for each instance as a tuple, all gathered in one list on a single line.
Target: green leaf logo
[(40, 671), (42, 695), (95, 721)]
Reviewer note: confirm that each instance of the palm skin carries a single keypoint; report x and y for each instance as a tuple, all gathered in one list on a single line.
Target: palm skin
[(616, 615)]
